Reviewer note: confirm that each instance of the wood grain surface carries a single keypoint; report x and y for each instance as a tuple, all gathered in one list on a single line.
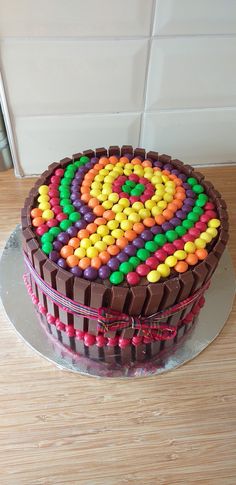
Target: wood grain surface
[(60, 428)]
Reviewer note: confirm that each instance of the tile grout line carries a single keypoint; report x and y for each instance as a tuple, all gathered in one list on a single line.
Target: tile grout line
[(154, 7)]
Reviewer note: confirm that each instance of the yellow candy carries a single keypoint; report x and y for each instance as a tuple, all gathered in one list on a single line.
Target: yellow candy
[(107, 204), (44, 206), (95, 192), (148, 169), (148, 176), (129, 166), (200, 243), (109, 240), (156, 197), (99, 178), (113, 225), (92, 252), (43, 198), (126, 225), (156, 180), (120, 164), (149, 204), (163, 269), (137, 206), (144, 213), (101, 246), (43, 190), (190, 247), (212, 231), (124, 202), (80, 253), (113, 197), (168, 197), (156, 211), (118, 170), (95, 238), (117, 208), (128, 211), (127, 172), (109, 179), (170, 184), (134, 217), (180, 254), (206, 237), (170, 191), (104, 172), (162, 204), (107, 190), (153, 276), (117, 233), (47, 215), (214, 223), (101, 197), (96, 185), (165, 178), (106, 186), (171, 261), (85, 243), (109, 167), (120, 217), (103, 230)]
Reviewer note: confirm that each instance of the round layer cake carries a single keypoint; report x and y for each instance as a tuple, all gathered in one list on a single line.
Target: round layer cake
[(119, 247)]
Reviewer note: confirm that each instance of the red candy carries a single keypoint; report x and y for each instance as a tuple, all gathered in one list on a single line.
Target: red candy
[(152, 262), (54, 201), (179, 244), (169, 248), (59, 172), (52, 223), (41, 230), (161, 255), (142, 269), (187, 238), (204, 218), (53, 193), (194, 232), (209, 206), (57, 209), (211, 214), (89, 339), (55, 179), (133, 278), (201, 226), (60, 217)]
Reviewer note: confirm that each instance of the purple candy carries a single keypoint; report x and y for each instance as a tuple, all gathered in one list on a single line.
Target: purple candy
[(63, 237), (72, 231), (182, 177), (138, 242), (175, 172), (186, 208), (74, 196), (89, 217), (180, 214), (167, 226), (62, 263), (129, 156), (190, 193), (81, 224), (146, 235), (175, 221), (189, 201), (89, 165), (94, 160), (54, 256), (122, 257), (76, 271), (113, 264), (130, 250), (85, 209), (156, 230), (104, 272), (168, 167), (77, 204), (57, 245), (157, 163), (186, 186), (90, 274)]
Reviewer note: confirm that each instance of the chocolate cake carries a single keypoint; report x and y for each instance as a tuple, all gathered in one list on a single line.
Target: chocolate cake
[(120, 246)]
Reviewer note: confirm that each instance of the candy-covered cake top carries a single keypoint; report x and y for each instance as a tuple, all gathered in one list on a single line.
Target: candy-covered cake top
[(124, 219)]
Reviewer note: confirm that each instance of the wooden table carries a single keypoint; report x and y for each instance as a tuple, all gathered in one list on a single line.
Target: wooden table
[(60, 428)]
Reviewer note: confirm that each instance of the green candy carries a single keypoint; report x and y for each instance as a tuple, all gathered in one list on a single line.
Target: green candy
[(140, 187), (65, 193), (84, 159), (47, 237), (47, 247), (171, 235), (130, 183), (181, 231), (126, 189), (151, 246), (68, 209), (192, 217), (116, 278), (160, 239), (74, 216), (203, 197), (64, 202), (64, 225), (65, 182), (55, 231), (198, 210), (198, 189), (134, 261), (126, 267), (78, 164), (187, 224), (135, 192), (192, 181), (71, 167), (143, 254)]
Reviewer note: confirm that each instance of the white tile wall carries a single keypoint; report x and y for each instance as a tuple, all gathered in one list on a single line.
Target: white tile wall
[(69, 18), (195, 136), (194, 73), (190, 17), (157, 73), (42, 140)]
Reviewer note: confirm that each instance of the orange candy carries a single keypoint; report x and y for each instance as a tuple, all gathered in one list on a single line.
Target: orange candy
[(179, 195), (201, 253), (113, 250), (138, 227), (74, 242), (100, 221), (166, 172), (93, 202), (66, 251), (181, 266), (104, 256), (109, 215), (103, 161), (113, 159), (191, 259), (178, 203), (37, 221), (126, 160), (72, 261), (98, 210), (83, 234), (168, 215), (160, 219), (147, 163), (130, 234), (149, 222), (84, 263), (85, 197), (121, 242), (84, 190), (91, 228), (36, 213), (172, 207), (96, 262)]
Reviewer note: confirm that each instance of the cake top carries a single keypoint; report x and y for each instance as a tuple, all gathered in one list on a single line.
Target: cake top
[(125, 219)]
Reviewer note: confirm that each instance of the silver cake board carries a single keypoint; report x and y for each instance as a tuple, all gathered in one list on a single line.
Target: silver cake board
[(22, 315)]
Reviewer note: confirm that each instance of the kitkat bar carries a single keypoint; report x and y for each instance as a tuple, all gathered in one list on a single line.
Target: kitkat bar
[(164, 158), (199, 176), (114, 150), (89, 153), (50, 270), (140, 152), (115, 300), (39, 260), (27, 235), (170, 297), (81, 294), (152, 155), (77, 156), (64, 284), (53, 166), (32, 246), (101, 152), (126, 149), (65, 161), (97, 298)]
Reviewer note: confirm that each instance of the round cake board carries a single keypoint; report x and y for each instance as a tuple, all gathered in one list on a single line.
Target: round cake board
[(21, 313)]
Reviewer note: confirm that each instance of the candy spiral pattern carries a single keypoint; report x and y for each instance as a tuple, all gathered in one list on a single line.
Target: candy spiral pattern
[(124, 219)]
